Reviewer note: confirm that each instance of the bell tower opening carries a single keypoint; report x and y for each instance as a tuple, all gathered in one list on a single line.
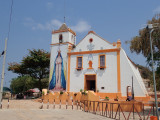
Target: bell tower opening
[(60, 38)]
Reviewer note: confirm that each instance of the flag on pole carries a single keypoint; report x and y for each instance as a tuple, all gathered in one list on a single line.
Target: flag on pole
[(2, 53)]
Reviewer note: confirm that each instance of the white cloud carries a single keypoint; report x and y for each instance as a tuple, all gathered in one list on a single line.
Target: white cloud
[(82, 26), (157, 10), (49, 5), (29, 19), (53, 24), (56, 23)]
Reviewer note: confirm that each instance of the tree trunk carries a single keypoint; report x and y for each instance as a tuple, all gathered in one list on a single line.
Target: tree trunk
[(40, 84)]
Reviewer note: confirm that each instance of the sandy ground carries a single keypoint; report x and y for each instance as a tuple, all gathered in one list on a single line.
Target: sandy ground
[(30, 110)]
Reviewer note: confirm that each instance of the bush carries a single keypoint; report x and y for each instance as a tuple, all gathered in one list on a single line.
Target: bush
[(84, 93), (81, 90), (61, 92), (42, 92), (106, 98)]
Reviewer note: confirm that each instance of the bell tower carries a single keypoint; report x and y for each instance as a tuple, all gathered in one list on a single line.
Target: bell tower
[(63, 35), (63, 40)]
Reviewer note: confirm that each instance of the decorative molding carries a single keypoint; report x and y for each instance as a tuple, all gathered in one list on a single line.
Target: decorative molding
[(95, 51), (62, 43), (67, 30)]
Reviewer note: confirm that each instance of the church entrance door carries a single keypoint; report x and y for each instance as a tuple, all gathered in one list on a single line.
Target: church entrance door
[(90, 82)]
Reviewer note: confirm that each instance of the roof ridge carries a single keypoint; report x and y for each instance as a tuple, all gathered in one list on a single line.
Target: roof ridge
[(96, 35), (63, 27)]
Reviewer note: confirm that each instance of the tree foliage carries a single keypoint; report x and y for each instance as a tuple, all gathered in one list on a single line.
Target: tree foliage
[(24, 83), (145, 72), (36, 65), (141, 44)]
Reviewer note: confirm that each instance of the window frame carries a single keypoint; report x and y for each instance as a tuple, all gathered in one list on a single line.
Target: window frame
[(99, 66), (78, 68)]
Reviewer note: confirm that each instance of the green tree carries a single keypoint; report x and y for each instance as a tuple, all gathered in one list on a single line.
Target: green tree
[(36, 65), (141, 44), (22, 84), (145, 72)]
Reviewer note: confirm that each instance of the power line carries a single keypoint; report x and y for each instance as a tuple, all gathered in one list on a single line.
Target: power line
[(10, 19), (64, 11)]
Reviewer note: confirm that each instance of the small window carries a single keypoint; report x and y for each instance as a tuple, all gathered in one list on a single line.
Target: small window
[(79, 62), (60, 38), (102, 88), (90, 40), (102, 61)]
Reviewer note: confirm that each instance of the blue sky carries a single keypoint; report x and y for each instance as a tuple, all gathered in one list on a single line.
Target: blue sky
[(33, 21)]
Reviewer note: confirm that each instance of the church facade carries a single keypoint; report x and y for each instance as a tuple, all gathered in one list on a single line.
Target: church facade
[(92, 64)]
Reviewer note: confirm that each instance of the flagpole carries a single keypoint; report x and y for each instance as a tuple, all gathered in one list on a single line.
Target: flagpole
[(3, 69)]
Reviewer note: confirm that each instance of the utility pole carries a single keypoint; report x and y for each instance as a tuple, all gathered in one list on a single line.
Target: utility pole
[(151, 29), (3, 69)]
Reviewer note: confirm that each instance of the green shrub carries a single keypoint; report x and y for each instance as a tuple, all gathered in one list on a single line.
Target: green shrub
[(81, 90), (106, 98), (61, 92)]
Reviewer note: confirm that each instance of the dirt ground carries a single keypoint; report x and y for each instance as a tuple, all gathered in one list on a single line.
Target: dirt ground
[(30, 110)]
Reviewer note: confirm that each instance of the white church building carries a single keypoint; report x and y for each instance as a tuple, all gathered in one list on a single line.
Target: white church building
[(92, 64)]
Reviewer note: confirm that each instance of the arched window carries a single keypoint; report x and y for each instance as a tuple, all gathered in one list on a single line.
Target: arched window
[(60, 38)]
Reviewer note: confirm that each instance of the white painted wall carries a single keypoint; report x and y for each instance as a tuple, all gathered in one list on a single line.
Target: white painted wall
[(105, 78), (127, 71), (98, 43), (67, 37)]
